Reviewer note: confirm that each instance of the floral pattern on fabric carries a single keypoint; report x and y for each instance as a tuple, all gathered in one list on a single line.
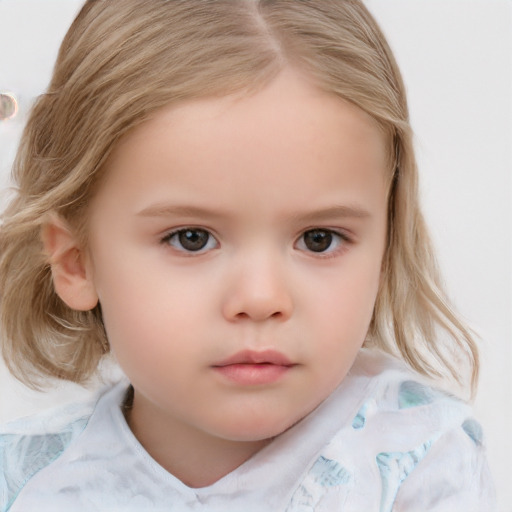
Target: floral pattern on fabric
[(25, 455)]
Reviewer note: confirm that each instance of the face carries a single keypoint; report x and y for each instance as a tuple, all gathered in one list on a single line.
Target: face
[(235, 249)]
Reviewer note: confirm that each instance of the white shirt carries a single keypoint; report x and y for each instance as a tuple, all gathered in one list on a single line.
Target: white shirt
[(382, 442)]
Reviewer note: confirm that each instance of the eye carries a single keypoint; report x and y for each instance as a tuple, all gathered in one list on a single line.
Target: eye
[(321, 241), (191, 240)]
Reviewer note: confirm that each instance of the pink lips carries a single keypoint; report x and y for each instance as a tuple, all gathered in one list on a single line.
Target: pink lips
[(251, 368)]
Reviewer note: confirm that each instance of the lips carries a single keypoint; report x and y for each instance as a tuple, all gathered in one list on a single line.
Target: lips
[(254, 357), (252, 368)]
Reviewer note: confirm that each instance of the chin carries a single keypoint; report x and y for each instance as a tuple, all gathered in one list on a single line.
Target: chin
[(256, 429)]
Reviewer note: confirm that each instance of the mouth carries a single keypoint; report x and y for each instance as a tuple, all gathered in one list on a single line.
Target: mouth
[(252, 357), (252, 368)]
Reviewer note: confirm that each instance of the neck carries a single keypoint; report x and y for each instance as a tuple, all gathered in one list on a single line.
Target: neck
[(195, 457)]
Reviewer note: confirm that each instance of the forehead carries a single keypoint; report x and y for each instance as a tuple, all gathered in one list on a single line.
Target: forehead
[(277, 138)]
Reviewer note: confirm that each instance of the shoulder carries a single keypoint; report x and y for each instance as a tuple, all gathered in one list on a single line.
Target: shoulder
[(404, 446), (428, 448), (405, 396), (452, 476), (28, 445)]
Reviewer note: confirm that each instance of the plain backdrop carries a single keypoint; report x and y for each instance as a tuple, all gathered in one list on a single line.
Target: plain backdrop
[(456, 58)]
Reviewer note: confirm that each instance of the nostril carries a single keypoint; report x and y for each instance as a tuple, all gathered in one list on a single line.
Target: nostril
[(258, 299), (259, 315)]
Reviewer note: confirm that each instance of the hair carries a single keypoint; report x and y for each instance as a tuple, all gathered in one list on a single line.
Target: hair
[(121, 62)]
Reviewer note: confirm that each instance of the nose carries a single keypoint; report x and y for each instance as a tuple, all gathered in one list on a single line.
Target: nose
[(258, 290)]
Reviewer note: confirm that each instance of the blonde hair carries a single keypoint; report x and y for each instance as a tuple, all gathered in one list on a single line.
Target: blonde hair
[(122, 61)]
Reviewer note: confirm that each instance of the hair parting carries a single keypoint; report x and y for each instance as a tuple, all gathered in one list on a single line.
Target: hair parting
[(121, 62)]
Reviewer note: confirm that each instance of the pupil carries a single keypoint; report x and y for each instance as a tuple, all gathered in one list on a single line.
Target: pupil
[(193, 240), (318, 240)]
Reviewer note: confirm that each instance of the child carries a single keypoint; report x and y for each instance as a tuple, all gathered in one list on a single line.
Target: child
[(223, 194)]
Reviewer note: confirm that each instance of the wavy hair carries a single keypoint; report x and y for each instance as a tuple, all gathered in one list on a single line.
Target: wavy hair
[(122, 61)]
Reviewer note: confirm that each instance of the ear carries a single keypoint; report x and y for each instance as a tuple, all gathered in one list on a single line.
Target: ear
[(71, 272)]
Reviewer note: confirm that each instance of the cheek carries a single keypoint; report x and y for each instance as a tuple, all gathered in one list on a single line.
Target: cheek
[(342, 318), (150, 341), (347, 300), (150, 315)]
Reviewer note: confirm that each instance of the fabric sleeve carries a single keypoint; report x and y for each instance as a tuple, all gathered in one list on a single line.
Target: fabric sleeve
[(453, 476), (25, 449)]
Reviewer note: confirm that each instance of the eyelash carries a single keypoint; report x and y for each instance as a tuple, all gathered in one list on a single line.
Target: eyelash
[(167, 239), (342, 241), (331, 252)]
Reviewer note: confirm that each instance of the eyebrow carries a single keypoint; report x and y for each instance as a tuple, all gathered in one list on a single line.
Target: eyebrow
[(336, 211), (167, 210)]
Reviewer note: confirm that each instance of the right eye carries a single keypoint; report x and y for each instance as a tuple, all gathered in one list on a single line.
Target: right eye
[(191, 240)]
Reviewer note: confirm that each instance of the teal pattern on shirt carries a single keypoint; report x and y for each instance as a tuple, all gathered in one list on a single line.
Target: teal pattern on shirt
[(28, 454)]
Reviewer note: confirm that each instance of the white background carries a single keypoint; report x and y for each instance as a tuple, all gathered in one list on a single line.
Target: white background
[(456, 57)]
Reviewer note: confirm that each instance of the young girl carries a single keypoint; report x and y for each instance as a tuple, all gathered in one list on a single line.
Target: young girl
[(224, 195)]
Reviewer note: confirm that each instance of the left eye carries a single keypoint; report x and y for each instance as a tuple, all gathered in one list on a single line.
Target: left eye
[(191, 240), (320, 241)]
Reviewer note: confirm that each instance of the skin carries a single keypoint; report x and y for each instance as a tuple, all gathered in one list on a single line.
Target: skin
[(253, 172)]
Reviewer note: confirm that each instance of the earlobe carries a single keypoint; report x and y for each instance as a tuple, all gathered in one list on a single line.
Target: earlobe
[(71, 276)]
